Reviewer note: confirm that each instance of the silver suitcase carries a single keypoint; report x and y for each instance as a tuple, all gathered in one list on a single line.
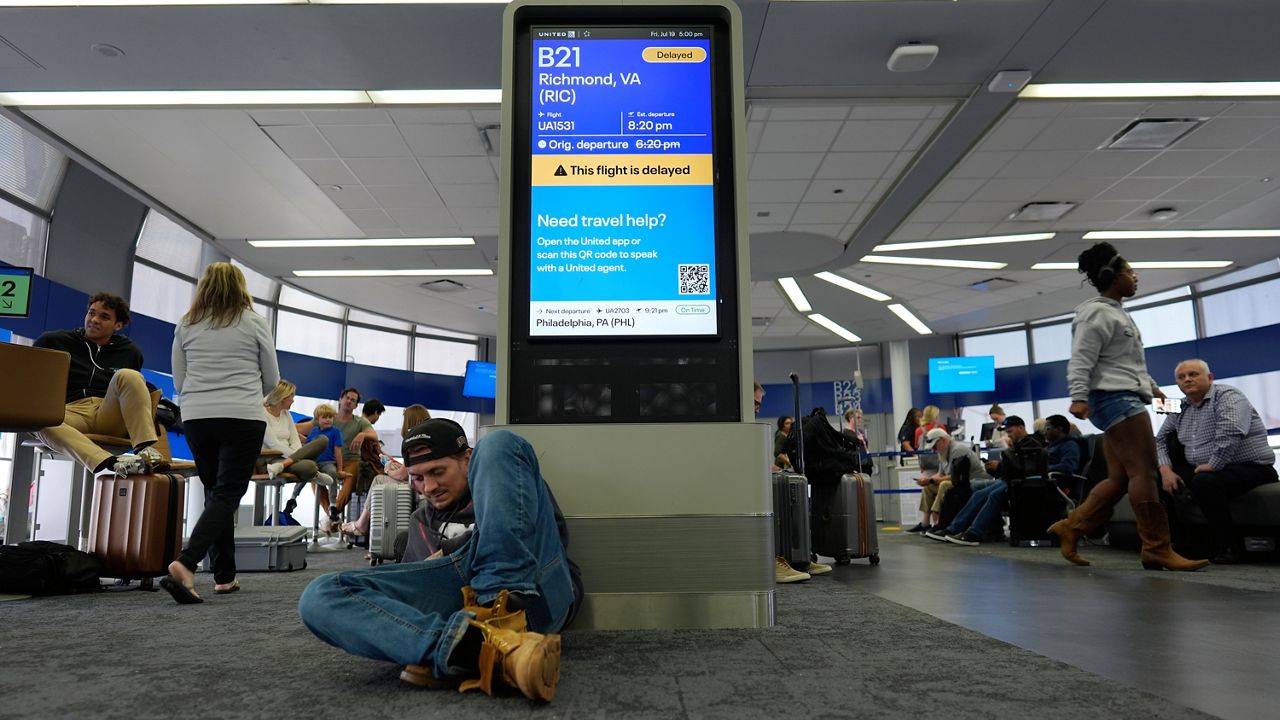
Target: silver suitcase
[(390, 505)]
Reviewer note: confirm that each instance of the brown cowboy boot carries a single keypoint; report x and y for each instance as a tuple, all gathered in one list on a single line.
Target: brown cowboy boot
[(527, 661), (498, 614), (1157, 553), (1088, 515)]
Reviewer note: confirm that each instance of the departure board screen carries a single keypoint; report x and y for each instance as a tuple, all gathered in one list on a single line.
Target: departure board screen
[(622, 201)]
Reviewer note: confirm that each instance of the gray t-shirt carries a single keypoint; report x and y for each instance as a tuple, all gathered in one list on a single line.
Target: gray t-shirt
[(959, 450), (224, 372)]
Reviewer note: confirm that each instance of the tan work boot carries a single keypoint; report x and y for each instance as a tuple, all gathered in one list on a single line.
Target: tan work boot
[(1088, 515), (1157, 553), (528, 661), (498, 614)]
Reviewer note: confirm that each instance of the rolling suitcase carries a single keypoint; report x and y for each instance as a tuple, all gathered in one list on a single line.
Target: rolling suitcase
[(390, 505), (849, 532), (135, 526), (791, 518)]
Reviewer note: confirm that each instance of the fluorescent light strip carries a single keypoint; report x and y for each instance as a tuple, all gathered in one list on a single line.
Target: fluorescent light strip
[(852, 286), (907, 317), (931, 262), (420, 272), (1150, 90), (189, 98), (366, 242), (993, 240), (437, 97), (795, 294), (827, 323), (1174, 234), (163, 3), (1145, 265)]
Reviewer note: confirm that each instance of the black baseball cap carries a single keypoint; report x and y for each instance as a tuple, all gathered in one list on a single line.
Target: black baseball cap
[(1012, 420), (434, 439)]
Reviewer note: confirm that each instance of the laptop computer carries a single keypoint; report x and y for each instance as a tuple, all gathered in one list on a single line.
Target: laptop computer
[(40, 399)]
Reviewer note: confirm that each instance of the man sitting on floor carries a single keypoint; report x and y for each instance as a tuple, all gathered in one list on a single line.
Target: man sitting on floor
[(1225, 446), (482, 613), (106, 393)]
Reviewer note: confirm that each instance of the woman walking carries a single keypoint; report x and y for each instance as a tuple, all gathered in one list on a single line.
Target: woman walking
[(224, 362), (1109, 383)]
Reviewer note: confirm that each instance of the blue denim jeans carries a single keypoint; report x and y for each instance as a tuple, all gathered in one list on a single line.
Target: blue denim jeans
[(1108, 407), (411, 614), (981, 515)]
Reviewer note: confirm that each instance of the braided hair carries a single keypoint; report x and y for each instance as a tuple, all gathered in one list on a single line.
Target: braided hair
[(1100, 264)]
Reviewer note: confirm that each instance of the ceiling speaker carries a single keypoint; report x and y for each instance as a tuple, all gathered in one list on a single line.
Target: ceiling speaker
[(912, 58)]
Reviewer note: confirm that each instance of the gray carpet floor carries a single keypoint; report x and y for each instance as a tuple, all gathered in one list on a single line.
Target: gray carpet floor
[(837, 651)]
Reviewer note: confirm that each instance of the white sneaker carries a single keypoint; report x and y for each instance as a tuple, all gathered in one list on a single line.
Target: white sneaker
[(326, 525), (784, 573), (151, 457), (274, 469), (129, 465), (817, 568)]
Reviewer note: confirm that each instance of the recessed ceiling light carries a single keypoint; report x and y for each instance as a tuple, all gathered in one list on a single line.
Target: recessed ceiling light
[(1172, 234), (907, 317), (1163, 214), (961, 242), (1150, 90), (852, 286), (834, 327), (437, 97), (1145, 265), (794, 294), (932, 262), (366, 242), (418, 272), (1041, 211)]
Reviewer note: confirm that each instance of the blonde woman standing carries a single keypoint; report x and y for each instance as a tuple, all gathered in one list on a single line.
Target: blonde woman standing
[(224, 362)]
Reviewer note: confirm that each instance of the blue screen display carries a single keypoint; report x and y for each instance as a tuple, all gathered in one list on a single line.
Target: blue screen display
[(481, 380), (962, 374), (622, 202)]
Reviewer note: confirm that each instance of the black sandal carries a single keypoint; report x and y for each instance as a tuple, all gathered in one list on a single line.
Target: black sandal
[(183, 594)]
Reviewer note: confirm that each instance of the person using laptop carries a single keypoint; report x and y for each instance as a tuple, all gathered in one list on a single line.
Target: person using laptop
[(106, 393)]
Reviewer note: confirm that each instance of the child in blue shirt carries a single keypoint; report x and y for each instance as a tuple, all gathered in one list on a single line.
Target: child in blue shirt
[(329, 461)]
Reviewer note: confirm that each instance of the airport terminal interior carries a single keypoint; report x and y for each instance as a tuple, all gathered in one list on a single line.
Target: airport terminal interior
[(902, 182)]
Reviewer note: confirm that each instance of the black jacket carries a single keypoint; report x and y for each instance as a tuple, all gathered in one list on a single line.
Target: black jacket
[(91, 366)]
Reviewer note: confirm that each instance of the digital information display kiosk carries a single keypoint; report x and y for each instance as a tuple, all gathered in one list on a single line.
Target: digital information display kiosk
[(624, 259)]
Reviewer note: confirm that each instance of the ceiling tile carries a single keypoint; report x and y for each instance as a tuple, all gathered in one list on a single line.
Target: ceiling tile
[(485, 116), (798, 136), (365, 141), (1074, 189), (350, 197), (827, 230), (1202, 189), (1014, 134), (483, 195), (1247, 163), (327, 172), (443, 140), (1077, 134), (1179, 164), (893, 111), (982, 164), (1253, 108), (850, 190), (778, 213), (914, 230), (1005, 190), (1185, 109), (754, 131), (300, 141), (1036, 109), (934, 211), (348, 117), (405, 196), (809, 112), (433, 116), (823, 213), (1110, 163), (387, 171), (1041, 163), (921, 135), (987, 212), (1098, 211), (955, 190), (1136, 188), (777, 190), (784, 166), (855, 165), (372, 220), (476, 217), (427, 221), (1104, 108), (953, 229), (871, 135), (458, 170), (1228, 133), (279, 117)]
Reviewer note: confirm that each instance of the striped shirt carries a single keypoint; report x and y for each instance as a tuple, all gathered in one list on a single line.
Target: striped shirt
[(1222, 431)]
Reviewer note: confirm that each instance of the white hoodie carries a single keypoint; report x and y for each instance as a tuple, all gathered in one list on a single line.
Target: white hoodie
[(1106, 352)]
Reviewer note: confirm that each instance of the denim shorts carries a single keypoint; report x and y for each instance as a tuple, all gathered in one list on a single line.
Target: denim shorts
[(1108, 407)]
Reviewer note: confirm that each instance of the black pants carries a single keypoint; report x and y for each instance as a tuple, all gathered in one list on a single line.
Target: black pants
[(1212, 491), (225, 450)]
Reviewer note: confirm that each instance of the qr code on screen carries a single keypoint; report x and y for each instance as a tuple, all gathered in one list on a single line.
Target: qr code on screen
[(695, 279)]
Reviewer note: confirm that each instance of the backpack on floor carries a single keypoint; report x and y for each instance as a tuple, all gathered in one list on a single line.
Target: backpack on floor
[(40, 567)]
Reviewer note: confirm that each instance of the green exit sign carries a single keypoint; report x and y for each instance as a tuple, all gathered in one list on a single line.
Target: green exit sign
[(15, 291)]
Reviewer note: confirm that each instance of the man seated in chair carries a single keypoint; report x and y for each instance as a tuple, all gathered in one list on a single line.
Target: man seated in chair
[(481, 611), (106, 394), (1224, 450)]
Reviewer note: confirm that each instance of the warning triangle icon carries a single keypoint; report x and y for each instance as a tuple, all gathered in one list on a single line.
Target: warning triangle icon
[(560, 171)]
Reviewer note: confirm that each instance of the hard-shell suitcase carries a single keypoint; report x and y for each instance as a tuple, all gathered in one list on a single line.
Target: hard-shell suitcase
[(135, 526), (791, 518), (850, 530), (390, 505), (271, 549)]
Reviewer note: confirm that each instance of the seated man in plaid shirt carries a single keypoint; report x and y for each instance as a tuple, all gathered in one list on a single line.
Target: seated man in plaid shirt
[(1226, 449)]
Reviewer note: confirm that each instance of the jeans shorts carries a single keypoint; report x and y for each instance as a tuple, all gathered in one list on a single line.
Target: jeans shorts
[(1108, 407)]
